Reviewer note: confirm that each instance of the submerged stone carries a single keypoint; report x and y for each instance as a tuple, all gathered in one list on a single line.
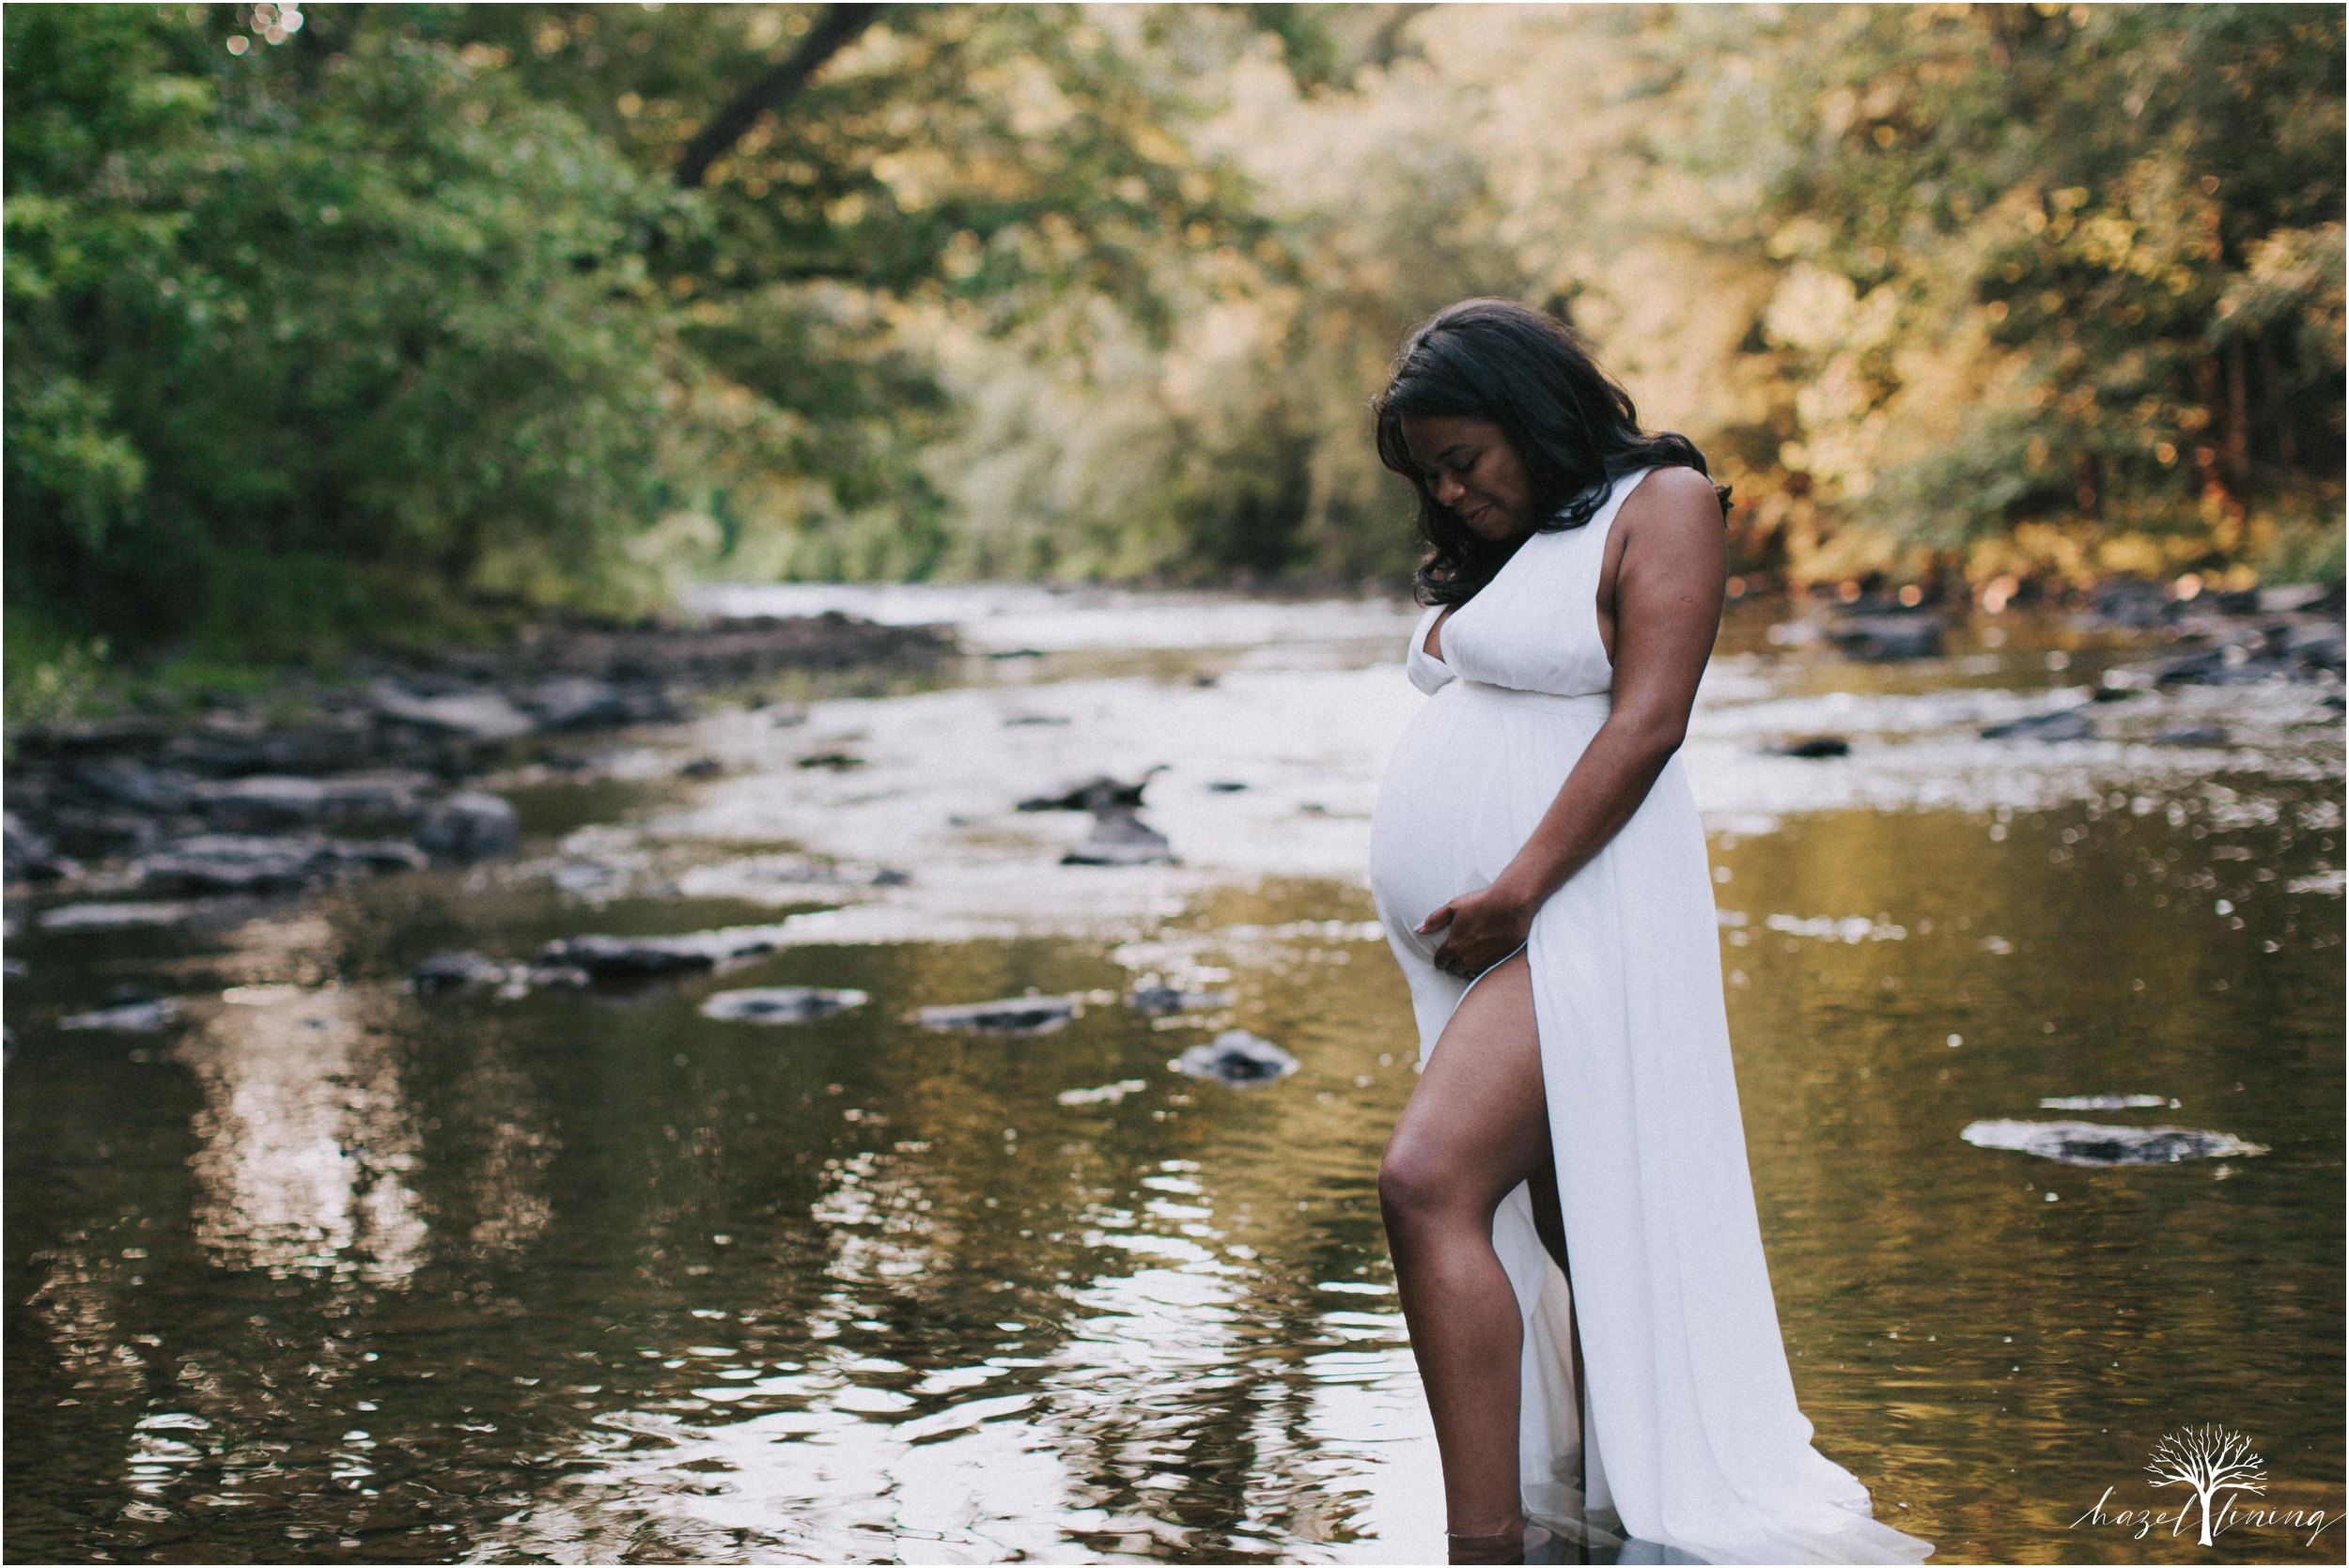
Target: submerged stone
[(576, 703), (779, 1004), (470, 825), (1888, 637), (1159, 1001), (1012, 1015), (2093, 1144), (117, 917), (650, 957), (1099, 793), (1817, 747), (2070, 724), (269, 802), (30, 856), (454, 971), (238, 863), (1238, 1058), (127, 1011), (1120, 838), (484, 716), (1108, 1094)]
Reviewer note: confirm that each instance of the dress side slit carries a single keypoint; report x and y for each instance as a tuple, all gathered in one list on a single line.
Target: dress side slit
[(1549, 1223)]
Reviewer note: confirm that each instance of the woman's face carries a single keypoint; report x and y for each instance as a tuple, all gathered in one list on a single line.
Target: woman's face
[(1472, 470)]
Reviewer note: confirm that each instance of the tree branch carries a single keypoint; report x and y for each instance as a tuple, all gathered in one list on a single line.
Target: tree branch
[(836, 30)]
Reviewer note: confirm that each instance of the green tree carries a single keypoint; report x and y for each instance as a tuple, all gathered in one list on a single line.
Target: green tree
[(346, 338)]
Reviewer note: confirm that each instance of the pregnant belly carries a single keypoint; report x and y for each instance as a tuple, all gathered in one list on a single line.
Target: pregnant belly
[(1471, 778)]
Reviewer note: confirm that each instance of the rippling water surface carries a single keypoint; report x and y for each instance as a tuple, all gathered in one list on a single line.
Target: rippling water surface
[(330, 1271)]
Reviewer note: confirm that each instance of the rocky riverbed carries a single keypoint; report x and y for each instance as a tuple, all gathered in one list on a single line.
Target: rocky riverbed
[(809, 1141), (373, 774)]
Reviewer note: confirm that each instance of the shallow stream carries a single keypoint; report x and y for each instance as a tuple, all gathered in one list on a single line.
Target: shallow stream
[(329, 1270)]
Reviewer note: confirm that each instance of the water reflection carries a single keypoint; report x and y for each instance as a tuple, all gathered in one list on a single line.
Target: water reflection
[(304, 1145)]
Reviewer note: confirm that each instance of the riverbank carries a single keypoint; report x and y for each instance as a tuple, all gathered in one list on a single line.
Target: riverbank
[(309, 779), (400, 763)]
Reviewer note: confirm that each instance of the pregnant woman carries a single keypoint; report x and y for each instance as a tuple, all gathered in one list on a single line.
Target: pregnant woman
[(1541, 873)]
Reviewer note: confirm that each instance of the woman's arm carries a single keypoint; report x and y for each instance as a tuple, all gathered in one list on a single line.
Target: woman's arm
[(1669, 583)]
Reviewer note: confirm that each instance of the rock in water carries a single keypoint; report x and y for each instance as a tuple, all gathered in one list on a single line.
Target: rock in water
[(2192, 735), (129, 1011), (1099, 793), (1817, 747), (127, 784), (264, 804), (1012, 1015), (1155, 1002), (625, 958), (2070, 724), (1236, 1057), (1888, 637), (1120, 838), (115, 917), (779, 1004), (2092, 1143), (234, 862), (576, 703), (454, 971), (31, 857), (274, 802), (470, 825), (482, 716)]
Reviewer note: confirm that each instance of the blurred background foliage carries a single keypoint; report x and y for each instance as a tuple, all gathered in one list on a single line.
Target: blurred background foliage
[(371, 322)]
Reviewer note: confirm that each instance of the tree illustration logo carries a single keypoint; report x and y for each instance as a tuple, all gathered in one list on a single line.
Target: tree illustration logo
[(2211, 1461)]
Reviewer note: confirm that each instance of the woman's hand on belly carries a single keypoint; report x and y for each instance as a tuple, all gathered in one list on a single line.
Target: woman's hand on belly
[(1485, 927)]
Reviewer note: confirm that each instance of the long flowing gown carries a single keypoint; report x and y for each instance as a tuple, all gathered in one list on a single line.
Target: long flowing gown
[(1686, 1427)]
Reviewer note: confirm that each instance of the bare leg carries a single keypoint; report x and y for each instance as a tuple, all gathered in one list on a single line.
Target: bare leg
[(1475, 1127)]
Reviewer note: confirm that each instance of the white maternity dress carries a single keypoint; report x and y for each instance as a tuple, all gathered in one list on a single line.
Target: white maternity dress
[(1687, 1427)]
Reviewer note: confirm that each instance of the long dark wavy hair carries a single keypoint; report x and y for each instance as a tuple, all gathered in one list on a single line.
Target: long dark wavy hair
[(1572, 426)]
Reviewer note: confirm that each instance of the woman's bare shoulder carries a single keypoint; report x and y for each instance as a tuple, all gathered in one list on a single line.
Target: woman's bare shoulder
[(1671, 536), (1672, 501)]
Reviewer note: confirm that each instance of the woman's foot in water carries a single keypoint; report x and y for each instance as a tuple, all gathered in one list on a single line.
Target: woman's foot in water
[(1523, 1541)]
